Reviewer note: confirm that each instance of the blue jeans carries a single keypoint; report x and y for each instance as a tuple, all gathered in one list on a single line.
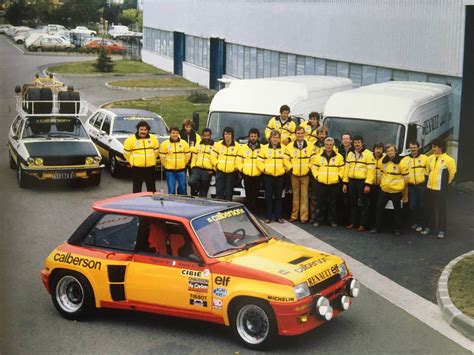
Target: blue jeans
[(173, 178), (415, 203)]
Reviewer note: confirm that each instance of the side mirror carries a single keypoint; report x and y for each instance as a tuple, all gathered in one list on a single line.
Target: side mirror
[(15, 137), (17, 89), (196, 120), (411, 134)]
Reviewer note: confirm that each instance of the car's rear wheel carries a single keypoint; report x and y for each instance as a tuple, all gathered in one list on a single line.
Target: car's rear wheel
[(114, 166), (11, 160), (72, 295), (254, 323)]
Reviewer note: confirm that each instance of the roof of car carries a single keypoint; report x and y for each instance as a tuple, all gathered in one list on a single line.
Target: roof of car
[(172, 205), (131, 112)]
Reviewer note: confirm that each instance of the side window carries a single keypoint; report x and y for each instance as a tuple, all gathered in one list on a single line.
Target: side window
[(114, 231), (93, 118), (165, 238), (15, 125), (106, 125), (19, 127), (98, 121)]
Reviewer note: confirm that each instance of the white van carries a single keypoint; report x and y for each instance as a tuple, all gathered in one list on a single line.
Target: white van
[(395, 112), (253, 102)]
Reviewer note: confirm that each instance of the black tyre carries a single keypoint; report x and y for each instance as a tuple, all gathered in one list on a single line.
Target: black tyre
[(72, 295), (11, 160), (114, 166), (94, 180), (253, 323), (47, 96), (23, 179), (33, 94)]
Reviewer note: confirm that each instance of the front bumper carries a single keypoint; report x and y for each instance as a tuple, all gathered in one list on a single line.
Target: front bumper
[(62, 172), (45, 279), (288, 314)]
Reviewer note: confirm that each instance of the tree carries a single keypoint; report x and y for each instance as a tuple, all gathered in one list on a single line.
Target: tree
[(111, 13), (78, 12), (19, 13), (104, 62)]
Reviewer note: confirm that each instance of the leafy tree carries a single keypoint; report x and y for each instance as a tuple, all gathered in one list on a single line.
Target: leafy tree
[(111, 13), (104, 62), (77, 12), (19, 13)]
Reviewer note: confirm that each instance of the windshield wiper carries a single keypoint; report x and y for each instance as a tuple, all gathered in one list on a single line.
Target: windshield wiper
[(228, 249), (254, 243), (36, 136), (63, 135), (122, 131)]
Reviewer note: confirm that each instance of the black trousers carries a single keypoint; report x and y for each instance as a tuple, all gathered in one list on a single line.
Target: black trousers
[(199, 181), (225, 183), (436, 204), (373, 199), (396, 199), (253, 185), (140, 175), (326, 202), (359, 203), (273, 189)]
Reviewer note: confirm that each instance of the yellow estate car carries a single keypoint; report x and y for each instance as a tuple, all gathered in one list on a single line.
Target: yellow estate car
[(200, 259)]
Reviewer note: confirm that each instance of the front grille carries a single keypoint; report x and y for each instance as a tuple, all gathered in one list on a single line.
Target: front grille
[(325, 284), (60, 161)]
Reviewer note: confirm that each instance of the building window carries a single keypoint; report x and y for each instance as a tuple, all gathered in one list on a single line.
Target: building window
[(158, 41), (383, 75), (197, 51)]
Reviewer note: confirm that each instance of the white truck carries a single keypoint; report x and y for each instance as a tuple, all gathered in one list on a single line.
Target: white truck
[(248, 103), (395, 112)]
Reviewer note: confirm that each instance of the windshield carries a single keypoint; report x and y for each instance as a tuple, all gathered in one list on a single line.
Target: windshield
[(227, 232), (240, 122), (373, 132), (54, 127), (127, 124)]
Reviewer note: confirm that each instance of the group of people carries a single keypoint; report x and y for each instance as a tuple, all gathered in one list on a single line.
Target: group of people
[(347, 185)]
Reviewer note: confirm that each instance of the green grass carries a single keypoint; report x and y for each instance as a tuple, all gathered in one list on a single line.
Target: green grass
[(121, 67), (173, 109), (167, 82), (461, 285)]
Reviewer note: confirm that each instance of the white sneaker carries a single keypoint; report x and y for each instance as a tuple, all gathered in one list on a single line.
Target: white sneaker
[(414, 226), (425, 231), (419, 229), (441, 235)]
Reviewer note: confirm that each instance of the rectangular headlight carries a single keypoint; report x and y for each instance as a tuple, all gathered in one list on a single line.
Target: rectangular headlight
[(343, 270), (301, 291)]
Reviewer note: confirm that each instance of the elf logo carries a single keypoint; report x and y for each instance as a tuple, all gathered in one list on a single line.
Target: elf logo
[(222, 280)]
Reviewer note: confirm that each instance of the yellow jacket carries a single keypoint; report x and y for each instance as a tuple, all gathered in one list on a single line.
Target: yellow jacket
[(362, 168), (247, 160), (224, 158), (441, 171), (417, 168), (201, 156), (300, 158), (174, 155), (141, 152), (310, 132), (328, 171), (394, 175), (287, 129), (378, 171), (274, 161)]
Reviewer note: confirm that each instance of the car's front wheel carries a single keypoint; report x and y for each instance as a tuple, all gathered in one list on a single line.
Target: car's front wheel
[(11, 160), (22, 178), (95, 179), (254, 323), (72, 295), (114, 166)]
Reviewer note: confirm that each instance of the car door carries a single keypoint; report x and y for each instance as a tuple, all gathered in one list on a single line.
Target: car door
[(166, 270), (14, 137)]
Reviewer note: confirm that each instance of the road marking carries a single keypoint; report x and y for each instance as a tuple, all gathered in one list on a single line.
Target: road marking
[(11, 44), (415, 305)]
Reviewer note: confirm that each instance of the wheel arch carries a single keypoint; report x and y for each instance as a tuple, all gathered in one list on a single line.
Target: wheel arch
[(58, 270), (234, 302)]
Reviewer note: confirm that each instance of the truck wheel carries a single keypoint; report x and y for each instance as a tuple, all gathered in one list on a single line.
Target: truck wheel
[(11, 160), (114, 166), (72, 295), (94, 180), (22, 178), (253, 323)]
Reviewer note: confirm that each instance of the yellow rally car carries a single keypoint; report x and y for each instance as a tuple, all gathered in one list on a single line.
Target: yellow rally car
[(200, 259)]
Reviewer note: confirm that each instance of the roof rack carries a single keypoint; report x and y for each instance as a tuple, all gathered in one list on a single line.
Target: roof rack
[(47, 108)]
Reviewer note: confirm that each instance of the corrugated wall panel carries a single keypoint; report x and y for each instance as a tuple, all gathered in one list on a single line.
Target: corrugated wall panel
[(413, 35)]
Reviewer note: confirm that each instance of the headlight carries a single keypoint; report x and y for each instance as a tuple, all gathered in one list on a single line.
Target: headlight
[(97, 160), (343, 270), (301, 291), (89, 160), (345, 302), (353, 288), (323, 306), (38, 161), (30, 161)]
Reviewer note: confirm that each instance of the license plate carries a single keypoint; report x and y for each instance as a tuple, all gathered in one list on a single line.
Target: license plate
[(64, 175)]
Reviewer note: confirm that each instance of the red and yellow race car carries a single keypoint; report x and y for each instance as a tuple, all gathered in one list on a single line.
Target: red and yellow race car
[(199, 259)]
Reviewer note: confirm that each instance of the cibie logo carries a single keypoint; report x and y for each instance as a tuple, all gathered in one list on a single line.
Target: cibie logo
[(220, 292), (194, 273), (75, 260)]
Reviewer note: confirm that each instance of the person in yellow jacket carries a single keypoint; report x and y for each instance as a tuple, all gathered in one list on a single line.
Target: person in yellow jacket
[(224, 159), (284, 124), (416, 164), (301, 154), (394, 178), (379, 153), (441, 170), (310, 127), (201, 165), (248, 167), (175, 155), (328, 171), (141, 151), (359, 173), (274, 163)]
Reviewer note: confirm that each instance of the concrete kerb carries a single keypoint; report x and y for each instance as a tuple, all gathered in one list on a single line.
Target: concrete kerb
[(450, 312), (126, 88)]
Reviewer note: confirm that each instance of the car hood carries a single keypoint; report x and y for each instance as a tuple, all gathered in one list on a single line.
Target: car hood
[(62, 148), (291, 261)]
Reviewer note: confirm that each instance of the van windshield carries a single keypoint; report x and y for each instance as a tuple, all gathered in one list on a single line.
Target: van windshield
[(240, 122), (372, 131)]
